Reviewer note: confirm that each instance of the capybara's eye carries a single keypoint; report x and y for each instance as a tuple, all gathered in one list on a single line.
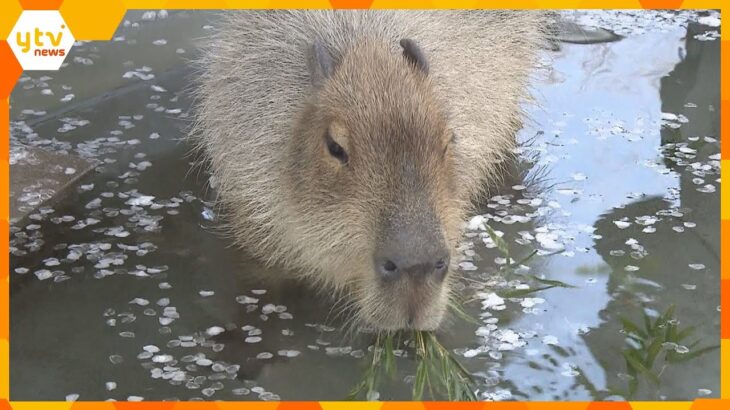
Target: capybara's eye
[(336, 149)]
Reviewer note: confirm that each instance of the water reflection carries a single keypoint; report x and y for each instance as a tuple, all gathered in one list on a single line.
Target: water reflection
[(658, 227), (686, 234)]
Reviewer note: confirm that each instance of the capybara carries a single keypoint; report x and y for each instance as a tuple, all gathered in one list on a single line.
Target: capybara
[(348, 146)]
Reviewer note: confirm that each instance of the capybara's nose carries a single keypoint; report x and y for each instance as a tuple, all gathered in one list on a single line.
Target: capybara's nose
[(394, 265)]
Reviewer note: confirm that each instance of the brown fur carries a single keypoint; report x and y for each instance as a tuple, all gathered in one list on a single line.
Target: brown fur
[(420, 146)]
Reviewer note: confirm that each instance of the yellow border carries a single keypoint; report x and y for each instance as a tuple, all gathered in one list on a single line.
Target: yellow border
[(97, 20)]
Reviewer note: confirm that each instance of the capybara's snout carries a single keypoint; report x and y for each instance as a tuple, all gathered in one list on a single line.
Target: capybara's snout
[(412, 252), (410, 263)]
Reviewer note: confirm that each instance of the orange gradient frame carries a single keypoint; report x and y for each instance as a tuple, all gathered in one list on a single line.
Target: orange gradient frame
[(97, 20)]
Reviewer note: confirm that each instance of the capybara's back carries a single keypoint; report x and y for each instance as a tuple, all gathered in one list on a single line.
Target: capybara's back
[(347, 145)]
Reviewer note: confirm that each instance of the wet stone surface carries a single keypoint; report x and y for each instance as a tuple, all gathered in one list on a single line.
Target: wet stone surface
[(592, 274), (39, 176)]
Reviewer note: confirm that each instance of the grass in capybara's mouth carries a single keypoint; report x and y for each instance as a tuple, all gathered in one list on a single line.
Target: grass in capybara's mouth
[(438, 373)]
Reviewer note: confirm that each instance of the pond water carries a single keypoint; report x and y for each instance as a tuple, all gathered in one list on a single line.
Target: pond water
[(121, 288)]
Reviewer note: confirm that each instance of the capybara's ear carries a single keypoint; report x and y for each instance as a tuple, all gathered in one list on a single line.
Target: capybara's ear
[(320, 63), (414, 54)]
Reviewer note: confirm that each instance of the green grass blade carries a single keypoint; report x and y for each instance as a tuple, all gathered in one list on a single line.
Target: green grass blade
[(637, 365), (678, 358), (630, 326), (501, 244)]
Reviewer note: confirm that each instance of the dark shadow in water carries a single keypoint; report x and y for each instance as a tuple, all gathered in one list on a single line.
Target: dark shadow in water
[(663, 257)]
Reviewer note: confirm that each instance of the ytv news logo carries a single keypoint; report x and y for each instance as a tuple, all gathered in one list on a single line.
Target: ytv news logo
[(40, 40)]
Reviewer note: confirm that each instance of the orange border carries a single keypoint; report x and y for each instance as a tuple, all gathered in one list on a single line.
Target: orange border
[(97, 20)]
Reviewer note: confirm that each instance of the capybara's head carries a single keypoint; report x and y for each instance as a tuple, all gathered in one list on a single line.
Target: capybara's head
[(372, 169)]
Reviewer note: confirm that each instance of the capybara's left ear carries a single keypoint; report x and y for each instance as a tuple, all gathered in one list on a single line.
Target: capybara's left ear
[(320, 63), (414, 54)]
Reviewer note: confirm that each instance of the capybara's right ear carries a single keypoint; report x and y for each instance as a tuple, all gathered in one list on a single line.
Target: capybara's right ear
[(414, 55), (320, 63)]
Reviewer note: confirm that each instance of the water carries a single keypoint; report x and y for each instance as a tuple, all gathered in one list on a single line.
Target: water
[(124, 289)]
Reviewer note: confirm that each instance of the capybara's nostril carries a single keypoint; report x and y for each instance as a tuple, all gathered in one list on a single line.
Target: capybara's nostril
[(389, 266), (387, 269), (441, 267)]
